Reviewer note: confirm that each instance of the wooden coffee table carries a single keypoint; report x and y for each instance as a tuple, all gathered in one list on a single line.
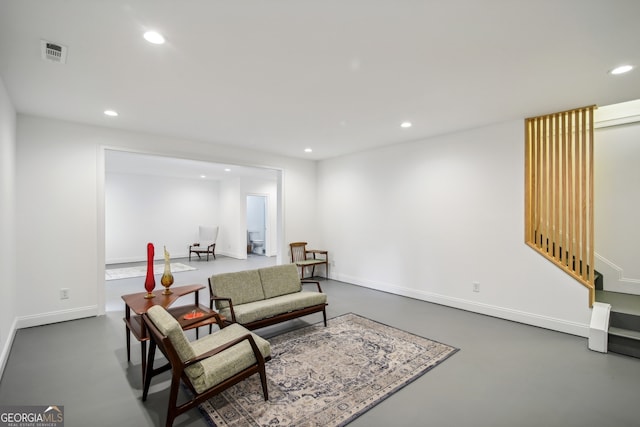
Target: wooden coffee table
[(139, 304)]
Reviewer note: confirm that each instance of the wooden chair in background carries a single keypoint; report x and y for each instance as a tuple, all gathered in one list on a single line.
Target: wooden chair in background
[(206, 244), (304, 258)]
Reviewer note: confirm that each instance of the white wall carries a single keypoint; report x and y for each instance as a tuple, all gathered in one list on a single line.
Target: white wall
[(8, 306), (426, 219), (60, 208), (617, 204), (164, 211), (233, 233), (57, 221)]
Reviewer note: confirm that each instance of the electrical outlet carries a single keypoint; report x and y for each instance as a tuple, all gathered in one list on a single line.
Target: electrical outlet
[(476, 286), (64, 293)]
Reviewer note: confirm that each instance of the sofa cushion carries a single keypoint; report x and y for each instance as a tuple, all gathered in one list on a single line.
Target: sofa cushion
[(258, 310), (280, 280), (229, 362), (242, 287), (169, 327)]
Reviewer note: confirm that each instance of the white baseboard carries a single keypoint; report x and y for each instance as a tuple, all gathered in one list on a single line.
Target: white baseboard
[(56, 316), (527, 318), (21, 322), (6, 348), (236, 255)]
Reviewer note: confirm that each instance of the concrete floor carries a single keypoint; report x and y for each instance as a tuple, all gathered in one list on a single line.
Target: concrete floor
[(505, 374)]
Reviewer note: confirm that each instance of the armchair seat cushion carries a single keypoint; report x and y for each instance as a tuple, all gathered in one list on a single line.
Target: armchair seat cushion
[(257, 310), (201, 247), (310, 261), (229, 362)]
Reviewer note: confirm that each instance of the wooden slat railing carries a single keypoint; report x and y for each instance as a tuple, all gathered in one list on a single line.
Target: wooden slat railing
[(559, 191)]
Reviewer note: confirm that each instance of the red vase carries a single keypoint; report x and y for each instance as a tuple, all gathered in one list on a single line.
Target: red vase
[(150, 282)]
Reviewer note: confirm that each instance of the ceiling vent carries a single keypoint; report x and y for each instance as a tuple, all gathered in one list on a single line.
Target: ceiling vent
[(53, 52)]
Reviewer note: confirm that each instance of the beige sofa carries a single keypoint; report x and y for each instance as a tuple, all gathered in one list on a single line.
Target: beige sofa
[(262, 297)]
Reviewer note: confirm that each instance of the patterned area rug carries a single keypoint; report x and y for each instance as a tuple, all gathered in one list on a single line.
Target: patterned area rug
[(327, 376), (141, 271)]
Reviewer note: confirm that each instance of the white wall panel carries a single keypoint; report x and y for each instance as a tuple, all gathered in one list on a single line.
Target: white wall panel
[(162, 210), (427, 219), (617, 204), (8, 301), (57, 221)]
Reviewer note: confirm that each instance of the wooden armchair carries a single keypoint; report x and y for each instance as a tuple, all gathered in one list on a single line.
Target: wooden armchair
[(303, 258), (206, 244), (208, 365)]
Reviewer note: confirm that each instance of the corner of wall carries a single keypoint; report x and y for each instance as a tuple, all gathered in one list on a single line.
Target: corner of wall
[(6, 348), (8, 145)]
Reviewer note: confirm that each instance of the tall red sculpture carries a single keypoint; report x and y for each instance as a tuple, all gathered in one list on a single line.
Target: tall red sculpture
[(150, 282)]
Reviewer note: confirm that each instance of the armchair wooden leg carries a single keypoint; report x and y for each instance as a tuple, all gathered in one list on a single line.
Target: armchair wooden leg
[(172, 411), (149, 372), (263, 380)]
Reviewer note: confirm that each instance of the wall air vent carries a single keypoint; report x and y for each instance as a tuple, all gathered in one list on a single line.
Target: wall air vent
[(53, 52)]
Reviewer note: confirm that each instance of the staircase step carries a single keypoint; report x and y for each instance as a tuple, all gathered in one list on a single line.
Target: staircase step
[(624, 320), (598, 280), (624, 341), (622, 303), (625, 333)]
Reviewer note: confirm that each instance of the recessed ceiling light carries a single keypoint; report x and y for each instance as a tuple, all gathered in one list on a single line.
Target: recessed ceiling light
[(227, 170), (405, 125), (308, 150), (621, 69), (203, 176), (154, 37), (110, 113)]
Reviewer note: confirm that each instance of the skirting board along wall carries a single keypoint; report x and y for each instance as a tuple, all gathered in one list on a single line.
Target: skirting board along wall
[(4, 355), (21, 322), (56, 316), (560, 325)]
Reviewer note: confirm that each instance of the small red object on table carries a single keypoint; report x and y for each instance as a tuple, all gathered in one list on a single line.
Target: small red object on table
[(193, 315)]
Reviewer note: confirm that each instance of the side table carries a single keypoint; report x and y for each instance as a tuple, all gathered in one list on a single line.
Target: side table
[(139, 304)]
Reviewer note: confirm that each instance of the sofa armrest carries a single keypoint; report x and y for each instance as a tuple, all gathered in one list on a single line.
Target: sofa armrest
[(214, 298), (312, 281)]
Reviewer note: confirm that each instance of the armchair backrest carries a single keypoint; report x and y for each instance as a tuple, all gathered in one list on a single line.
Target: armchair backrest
[(298, 251), (170, 338), (207, 235)]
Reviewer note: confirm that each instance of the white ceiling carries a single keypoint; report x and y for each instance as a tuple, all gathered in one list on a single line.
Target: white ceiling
[(335, 75)]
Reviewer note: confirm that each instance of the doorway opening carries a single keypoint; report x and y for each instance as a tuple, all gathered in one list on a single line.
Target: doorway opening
[(256, 224)]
